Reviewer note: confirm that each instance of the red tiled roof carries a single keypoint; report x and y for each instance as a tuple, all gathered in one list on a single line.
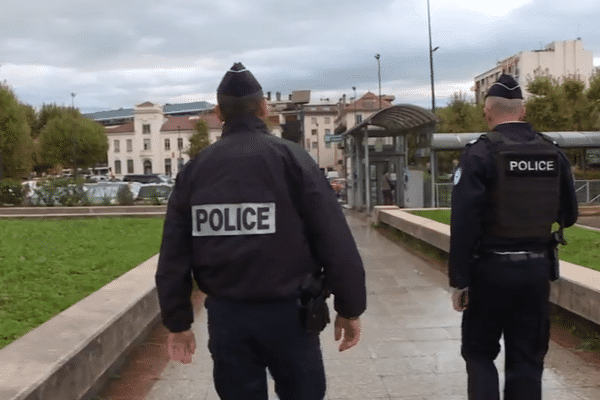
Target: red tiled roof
[(123, 128), (187, 123), (145, 104), (369, 101)]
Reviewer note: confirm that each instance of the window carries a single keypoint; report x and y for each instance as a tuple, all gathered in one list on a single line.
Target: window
[(147, 167), (117, 146), (315, 145), (129, 145), (327, 132), (358, 118), (146, 128), (327, 120), (147, 145), (130, 166), (118, 167), (167, 144), (313, 120), (179, 143), (314, 131), (168, 166)]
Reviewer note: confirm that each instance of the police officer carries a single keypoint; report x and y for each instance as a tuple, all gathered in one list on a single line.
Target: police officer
[(512, 184), (249, 219)]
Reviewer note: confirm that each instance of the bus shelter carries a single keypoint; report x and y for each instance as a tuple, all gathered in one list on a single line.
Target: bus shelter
[(457, 141), (378, 145)]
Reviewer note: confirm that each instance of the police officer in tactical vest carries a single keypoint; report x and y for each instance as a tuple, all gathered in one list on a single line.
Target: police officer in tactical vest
[(253, 220), (512, 184)]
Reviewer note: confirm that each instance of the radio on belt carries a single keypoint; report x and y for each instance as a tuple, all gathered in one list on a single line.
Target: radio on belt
[(233, 219)]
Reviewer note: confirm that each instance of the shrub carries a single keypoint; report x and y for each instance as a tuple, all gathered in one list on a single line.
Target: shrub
[(155, 197), (124, 196), (47, 191), (106, 200), (11, 192)]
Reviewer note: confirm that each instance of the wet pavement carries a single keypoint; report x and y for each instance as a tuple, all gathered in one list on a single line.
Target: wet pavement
[(410, 347)]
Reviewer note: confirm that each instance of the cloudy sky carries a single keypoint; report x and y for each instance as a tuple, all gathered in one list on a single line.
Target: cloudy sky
[(116, 53)]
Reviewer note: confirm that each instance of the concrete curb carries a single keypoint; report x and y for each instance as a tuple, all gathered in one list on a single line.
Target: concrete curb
[(81, 212), (577, 290), (71, 355)]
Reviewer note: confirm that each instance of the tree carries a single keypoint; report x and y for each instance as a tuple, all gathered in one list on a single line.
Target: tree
[(70, 139), (461, 115), (565, 106), (199, 139), (15, 136)]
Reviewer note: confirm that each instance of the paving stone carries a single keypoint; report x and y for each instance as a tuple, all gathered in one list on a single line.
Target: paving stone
[(410, 343)]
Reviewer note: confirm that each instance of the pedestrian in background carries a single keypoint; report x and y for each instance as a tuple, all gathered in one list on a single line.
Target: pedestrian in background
[(252, 219), (511, 185)]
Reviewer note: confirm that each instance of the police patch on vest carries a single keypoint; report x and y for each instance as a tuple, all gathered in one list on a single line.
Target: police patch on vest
[(531, 165), (233, 219)]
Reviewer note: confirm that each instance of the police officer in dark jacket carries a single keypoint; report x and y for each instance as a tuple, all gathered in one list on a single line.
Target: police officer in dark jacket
[(250, 218), (512, 184)]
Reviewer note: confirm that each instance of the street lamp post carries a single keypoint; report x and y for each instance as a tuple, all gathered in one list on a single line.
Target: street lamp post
[(179, 146), (355, 111), (377, 57), (431, 50), (74, 140)]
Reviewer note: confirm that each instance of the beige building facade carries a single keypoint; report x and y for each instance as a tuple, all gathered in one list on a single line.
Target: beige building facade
[(566, 59), (152, 142)]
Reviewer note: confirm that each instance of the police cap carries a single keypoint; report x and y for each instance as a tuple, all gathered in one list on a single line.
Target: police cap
[(239, 83), (507, 87)]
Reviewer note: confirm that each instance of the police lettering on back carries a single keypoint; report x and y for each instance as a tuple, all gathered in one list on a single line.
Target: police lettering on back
[(531, 166), (233, 219)]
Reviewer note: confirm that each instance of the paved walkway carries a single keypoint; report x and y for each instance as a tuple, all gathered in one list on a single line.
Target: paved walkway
[(410, 347)]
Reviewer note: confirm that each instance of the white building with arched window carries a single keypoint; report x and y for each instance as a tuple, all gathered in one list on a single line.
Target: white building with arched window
[(153, 142)]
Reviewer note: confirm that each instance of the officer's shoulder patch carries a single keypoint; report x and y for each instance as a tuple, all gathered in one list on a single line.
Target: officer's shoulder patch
[(457, 175)]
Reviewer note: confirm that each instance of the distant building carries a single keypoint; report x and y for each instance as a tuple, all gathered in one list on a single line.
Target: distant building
[(355, 112), (148, 140), (559, 60)]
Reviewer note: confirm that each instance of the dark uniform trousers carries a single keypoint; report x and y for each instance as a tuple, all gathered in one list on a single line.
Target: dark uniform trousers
[(246, 339), (507, 298)]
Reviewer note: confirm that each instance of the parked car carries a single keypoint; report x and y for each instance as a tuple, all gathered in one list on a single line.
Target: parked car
[(148, 178)]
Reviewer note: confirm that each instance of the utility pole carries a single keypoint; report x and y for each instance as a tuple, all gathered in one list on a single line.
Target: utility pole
[(378, 56), (431, 50), (74, 140)]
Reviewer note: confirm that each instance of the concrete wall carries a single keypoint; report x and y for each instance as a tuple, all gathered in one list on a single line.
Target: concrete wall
[(70, 356), (577, 290)]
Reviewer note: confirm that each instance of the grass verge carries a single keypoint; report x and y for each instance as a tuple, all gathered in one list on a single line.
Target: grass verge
[(583, 246), (49, 265)]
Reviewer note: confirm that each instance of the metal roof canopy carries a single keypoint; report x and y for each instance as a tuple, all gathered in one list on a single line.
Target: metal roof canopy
[(394, 121), (455, 141)]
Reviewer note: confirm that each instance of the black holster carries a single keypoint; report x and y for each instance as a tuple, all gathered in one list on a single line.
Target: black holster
[(314, 312), (557, 238)]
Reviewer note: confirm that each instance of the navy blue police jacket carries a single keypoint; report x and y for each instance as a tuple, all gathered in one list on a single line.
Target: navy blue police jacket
[(249, 218), (477, 172)]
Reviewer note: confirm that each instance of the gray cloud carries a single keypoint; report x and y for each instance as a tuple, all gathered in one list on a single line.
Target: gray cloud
[(115, 54)]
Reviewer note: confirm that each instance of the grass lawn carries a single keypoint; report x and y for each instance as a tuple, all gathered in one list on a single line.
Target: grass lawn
[(49, 265), (583, 244)]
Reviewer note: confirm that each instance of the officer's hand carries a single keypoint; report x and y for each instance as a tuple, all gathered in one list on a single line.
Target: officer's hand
[(181, 346), (351, 330), (460, 299)]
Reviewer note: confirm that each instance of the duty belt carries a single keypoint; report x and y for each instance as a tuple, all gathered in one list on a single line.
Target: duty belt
[(518, 255)]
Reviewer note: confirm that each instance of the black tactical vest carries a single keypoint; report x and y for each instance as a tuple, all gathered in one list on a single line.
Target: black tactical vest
[(524, 199)]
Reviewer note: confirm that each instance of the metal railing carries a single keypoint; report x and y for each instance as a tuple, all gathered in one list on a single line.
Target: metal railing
[(587, 192)]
